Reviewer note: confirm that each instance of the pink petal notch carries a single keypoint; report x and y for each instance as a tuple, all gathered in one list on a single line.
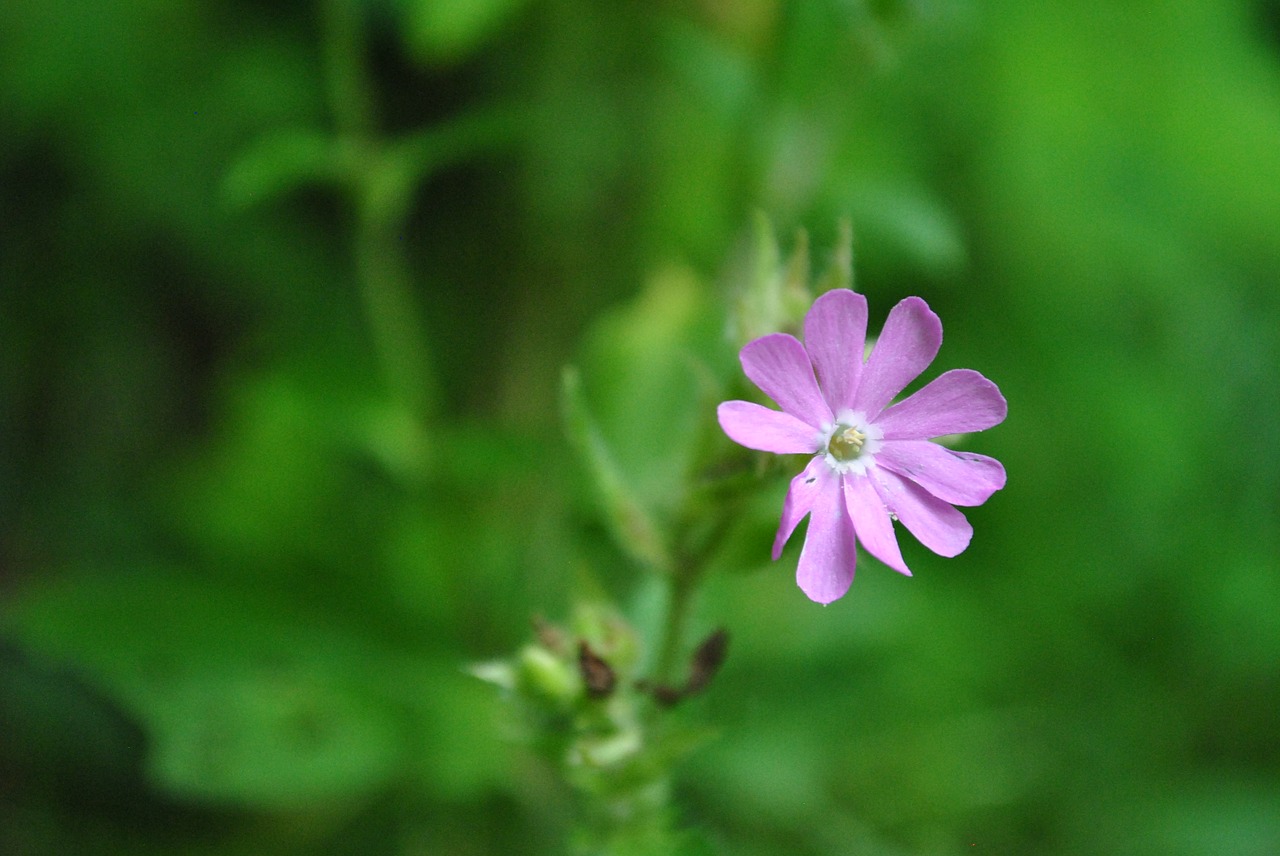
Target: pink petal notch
[(910, 340), (835, 333), (960, 478), (956, 402)]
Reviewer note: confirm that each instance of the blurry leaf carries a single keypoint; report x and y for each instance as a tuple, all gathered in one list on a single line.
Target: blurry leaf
[(458, 743), (270, 736), (295, 476), (1205, 815), (695, 843), (450, 30), (909, 224), (646, 368), (389, 433), (256, 491), (839, 272), (694, 186), (772, 768), (282, 162), (59, 732), (404, 164), (246, 702), (632, 525)]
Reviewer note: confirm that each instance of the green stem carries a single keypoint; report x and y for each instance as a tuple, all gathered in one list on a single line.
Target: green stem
[(682, 585), (381, 270), (392, 312), (694, 549), (350, 90)]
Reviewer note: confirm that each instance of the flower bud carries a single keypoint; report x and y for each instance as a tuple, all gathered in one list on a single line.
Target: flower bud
[(544, 677), (777, 292)]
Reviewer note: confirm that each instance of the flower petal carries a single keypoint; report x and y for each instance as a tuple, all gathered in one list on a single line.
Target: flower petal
[(830, 552), (766, 430), (910, 340), (835, 332), (800, 498), (954, 402), (872, 523), (937, 525), (960, 478), (779, 365)]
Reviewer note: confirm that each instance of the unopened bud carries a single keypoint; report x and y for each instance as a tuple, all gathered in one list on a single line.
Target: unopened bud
[(541, 674)]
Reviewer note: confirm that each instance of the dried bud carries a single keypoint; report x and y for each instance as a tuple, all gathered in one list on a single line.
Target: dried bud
[(707, 660), (597, 676)]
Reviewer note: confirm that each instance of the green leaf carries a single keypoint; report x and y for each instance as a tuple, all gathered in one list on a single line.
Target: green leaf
[(403, 165), (54, 728), (262, 736), (450, 30), (280, 163), (247, 702), (909, 224), (646, 366), (632, 525)]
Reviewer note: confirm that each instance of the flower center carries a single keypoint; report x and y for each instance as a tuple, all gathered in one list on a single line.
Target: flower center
[(846, 443), (850, 443)]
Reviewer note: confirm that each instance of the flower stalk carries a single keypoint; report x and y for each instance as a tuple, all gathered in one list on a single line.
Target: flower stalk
[(386, 288)]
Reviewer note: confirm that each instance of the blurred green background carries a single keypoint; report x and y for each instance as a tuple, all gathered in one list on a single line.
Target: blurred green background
[(285, 293)]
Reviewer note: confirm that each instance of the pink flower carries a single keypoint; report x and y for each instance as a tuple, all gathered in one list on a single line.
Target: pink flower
[(872, 460)]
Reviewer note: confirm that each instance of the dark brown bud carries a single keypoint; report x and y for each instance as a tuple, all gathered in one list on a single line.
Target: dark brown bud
[(707, 660), (597, 675)]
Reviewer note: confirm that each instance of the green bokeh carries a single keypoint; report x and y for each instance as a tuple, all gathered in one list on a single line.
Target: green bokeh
[(255, 524)]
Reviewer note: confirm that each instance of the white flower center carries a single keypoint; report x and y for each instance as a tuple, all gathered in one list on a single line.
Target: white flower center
[(850, 443)]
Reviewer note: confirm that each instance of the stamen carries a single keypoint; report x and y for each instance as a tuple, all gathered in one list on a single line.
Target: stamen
[(846, 444)]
